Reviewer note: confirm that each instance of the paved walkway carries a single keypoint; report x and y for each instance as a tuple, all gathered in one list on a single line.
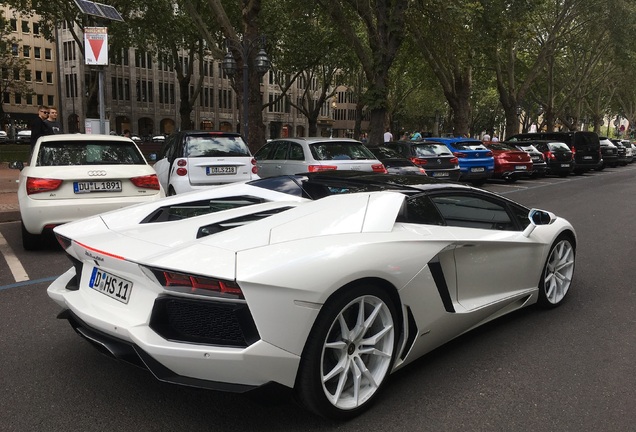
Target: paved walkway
[(9, 209)]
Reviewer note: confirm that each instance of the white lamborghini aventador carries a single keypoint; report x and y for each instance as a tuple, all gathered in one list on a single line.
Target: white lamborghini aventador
[(322, 283)]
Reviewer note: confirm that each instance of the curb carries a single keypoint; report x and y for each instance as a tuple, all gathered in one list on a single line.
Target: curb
[(9, 216)]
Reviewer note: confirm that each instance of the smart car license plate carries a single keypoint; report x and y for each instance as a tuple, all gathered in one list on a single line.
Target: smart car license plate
[(220, 170), (521, 167), (110, 285), (477, 169), (98, 186), (440, 174)]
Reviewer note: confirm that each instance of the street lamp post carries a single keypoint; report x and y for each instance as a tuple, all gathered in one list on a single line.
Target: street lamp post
[(261, 62), (73, 99)]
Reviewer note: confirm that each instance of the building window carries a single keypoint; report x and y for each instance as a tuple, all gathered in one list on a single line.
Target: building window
[(27, 75), (6, 99), (29, 99), (37, 53), (40, 99), (26, 51), (38, 76), (14, 24), (16, 74), (49, 77), (48, 54), (15, 50), (25, 27), (36, 28), (50, 100)]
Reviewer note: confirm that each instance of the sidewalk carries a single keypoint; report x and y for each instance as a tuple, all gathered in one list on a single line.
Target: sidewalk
[(9, 209)]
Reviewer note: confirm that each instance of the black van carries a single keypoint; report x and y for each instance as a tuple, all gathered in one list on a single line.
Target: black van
[(586, 147)]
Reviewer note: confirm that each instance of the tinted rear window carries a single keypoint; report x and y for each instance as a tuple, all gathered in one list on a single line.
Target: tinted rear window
[(427, 150), (469, 145), (558, 146), (339, 150), (89, 153), (215, 146)]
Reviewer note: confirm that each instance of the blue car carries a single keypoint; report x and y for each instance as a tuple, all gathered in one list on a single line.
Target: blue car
[(476, 163)]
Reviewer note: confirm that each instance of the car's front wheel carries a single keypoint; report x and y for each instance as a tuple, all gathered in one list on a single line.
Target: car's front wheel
[(557, 272), (349, 353)]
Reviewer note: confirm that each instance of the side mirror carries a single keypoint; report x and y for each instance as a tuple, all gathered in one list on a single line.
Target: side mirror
[(19, 165), (538, 217)]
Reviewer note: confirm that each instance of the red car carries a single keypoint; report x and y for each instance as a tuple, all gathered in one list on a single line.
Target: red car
[(510, 163)]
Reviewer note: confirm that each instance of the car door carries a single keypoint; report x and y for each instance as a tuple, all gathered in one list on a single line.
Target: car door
[(493, 260), (296, 162), (270, 159), (162, 166)]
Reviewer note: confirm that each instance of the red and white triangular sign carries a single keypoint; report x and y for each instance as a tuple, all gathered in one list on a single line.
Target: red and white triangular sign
[(96, 46)]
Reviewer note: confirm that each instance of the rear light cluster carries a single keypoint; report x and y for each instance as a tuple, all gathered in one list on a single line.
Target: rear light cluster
[(318, 168), (418, 161), (254, 167), (196, 284), (379, 168), (182, 170), (38, 185), (460, 154), (146, 182)]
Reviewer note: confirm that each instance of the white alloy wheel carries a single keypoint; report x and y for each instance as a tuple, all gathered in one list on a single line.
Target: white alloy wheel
[(558, 272), (349, 354)]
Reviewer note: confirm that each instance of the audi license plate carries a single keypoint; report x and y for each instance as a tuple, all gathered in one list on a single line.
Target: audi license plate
[(521, 167), (565, 165), (477, 169), (220, 170), (110, 285), (97, 186), (587, 157), (440, 174)]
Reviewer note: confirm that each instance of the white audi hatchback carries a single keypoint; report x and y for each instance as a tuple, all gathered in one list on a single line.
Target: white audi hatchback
[(73, 176)]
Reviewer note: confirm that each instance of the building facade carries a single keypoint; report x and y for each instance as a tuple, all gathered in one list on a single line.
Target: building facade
[(41, 74)]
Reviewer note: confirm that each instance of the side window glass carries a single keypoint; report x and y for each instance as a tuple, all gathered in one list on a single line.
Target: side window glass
[(263, 152), (168, 147), (296, 152), (280, 152), (471, 211), (419, 210)]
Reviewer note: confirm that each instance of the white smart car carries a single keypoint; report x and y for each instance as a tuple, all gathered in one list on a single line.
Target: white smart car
[(70, 177)]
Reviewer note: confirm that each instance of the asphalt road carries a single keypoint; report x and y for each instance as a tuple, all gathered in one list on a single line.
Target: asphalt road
[(569, 369)]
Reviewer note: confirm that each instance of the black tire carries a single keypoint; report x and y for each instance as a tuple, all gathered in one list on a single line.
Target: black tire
[(557, 273), (30, 241), (310, 387)]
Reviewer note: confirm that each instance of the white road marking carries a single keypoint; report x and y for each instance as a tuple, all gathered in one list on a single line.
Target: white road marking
[(19, 274)]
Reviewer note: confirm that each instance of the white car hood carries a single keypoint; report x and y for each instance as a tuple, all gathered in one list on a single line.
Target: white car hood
[(166, 243)]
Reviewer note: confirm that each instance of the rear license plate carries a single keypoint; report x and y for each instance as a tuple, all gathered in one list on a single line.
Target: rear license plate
[(440, 174), (110, 285), (587, 157), (565, 165), (521, 167), (220, 170), (98, 186), (477, 169)]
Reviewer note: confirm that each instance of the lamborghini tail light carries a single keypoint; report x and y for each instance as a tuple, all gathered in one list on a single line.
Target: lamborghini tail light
[(197, 284), (38, 185), (146, 182)]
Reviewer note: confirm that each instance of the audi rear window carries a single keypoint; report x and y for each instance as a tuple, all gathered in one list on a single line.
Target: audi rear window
[(339, 150), (89, 153)]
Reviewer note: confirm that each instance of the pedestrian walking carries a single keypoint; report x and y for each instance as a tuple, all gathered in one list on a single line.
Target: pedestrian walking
[(39, 126), (52, 121), (388, 136)]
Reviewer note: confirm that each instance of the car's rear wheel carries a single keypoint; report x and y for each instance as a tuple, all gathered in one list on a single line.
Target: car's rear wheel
[(349, 352), (30, 241), (557, 272)]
